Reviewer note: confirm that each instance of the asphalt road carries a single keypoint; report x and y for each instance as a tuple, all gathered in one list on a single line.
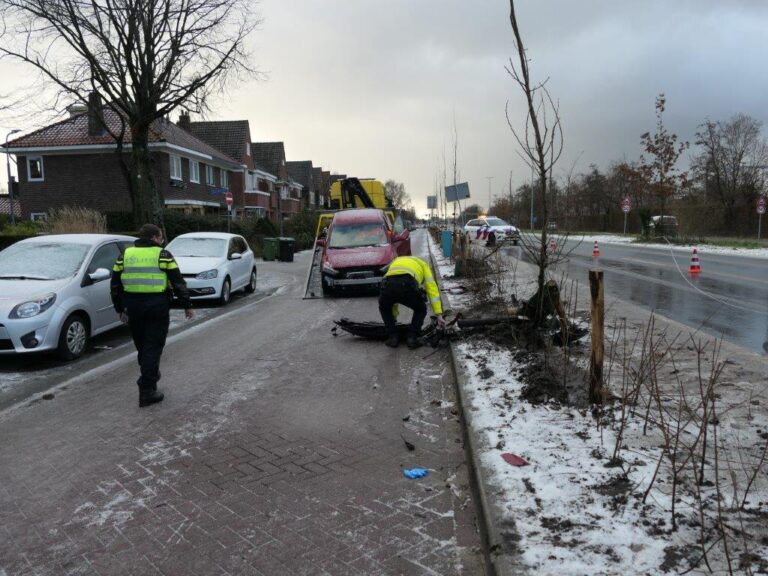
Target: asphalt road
[(728, 299)]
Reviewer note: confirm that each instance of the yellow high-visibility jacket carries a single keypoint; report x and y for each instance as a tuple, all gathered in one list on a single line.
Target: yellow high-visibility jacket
[(422, 273)]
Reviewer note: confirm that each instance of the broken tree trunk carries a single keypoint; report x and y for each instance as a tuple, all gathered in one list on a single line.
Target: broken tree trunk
[(596, 392), (544, 303)]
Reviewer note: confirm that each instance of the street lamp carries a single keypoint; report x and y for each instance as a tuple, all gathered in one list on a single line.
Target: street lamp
[(8, 168)]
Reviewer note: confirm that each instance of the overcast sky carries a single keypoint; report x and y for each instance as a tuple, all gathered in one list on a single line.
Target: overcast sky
[(371, 88)]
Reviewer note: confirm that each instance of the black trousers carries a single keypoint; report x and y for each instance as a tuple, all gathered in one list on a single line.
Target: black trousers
[(402, 289), (148, 319)]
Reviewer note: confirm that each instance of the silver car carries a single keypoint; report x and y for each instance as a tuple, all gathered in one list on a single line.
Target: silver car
[(54, 292)]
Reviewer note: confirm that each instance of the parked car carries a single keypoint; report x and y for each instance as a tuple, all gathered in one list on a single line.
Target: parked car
[(668, 227), (214, 264), (54, 292), (359, 247), (480, 229)]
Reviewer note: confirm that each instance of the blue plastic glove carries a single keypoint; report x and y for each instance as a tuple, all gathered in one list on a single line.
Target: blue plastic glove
[(414, 473)]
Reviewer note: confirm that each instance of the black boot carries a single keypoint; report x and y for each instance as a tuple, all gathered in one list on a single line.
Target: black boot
[(392, 341), (149, 397), (413, 341)]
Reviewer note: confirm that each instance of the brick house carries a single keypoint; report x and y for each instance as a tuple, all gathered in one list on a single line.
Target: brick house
[(302, 172), (326, 188), (233, 138), (74, 163), (273, 180)]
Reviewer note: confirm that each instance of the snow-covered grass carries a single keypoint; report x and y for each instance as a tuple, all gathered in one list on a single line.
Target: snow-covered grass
[(575, 508)]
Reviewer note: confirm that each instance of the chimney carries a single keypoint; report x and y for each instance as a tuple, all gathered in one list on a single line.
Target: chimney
[(95, 115), (184, 121)]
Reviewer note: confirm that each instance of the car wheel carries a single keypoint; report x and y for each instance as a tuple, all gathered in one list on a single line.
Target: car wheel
[(250, 288), (327, 290), (73, 338), (226, 292)]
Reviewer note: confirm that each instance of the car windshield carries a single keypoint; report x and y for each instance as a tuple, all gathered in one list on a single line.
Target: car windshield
[(192, 247), (357, 234), (496, 222), (41, 261)]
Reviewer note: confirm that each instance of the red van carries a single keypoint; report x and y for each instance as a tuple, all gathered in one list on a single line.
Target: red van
[(358, 248)]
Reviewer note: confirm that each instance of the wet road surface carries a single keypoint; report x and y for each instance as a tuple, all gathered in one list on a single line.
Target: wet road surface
[(728, 299)]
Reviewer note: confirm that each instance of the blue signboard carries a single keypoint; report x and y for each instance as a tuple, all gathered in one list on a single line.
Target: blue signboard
[(457, 192)]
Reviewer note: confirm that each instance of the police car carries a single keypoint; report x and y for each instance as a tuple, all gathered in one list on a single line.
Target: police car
[(480, 229)]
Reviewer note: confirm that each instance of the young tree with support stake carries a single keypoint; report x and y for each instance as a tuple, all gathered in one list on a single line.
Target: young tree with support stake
[(146, 58), (541, 144)]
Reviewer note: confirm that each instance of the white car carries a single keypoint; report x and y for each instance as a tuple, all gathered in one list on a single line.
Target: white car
[(214, 264), (479, 229), (54, 292)]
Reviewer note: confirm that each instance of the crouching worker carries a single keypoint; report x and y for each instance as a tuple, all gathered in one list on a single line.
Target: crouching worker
[(142, 279), (404, 283)]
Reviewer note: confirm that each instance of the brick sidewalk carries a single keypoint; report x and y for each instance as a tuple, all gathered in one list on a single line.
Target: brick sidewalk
[(269, 468)]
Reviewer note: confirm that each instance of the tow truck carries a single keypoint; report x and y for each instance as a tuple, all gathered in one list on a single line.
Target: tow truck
[(346, 194)]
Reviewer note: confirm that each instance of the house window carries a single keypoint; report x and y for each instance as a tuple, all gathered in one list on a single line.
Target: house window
[(209, 175), (38, 216), (224, 179), (194, 171), (35, 169), (175, 167)]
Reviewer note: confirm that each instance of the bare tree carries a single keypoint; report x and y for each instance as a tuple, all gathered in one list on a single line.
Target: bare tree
[(732, 161), (396, 193), (145, 57), (541, 141)]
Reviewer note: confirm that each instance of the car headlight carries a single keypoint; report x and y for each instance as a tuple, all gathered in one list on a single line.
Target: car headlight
[(33, 307), (207, 275), (328, 269)]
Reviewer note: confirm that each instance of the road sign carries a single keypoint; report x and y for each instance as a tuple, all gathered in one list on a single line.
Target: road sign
[(229, 200), (761, 206), (457, 192), (431, 202), (626, 204)]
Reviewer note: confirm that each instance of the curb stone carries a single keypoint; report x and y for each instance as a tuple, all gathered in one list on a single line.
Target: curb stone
[(497, 533)]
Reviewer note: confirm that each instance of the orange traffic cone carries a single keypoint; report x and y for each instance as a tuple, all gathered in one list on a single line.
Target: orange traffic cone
[(595, 251), (695, 267)]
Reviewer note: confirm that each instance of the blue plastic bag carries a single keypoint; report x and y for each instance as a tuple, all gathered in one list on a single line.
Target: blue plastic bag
[(414, 473)]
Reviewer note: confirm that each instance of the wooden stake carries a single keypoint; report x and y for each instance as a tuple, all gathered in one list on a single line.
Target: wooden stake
[(596, 394)]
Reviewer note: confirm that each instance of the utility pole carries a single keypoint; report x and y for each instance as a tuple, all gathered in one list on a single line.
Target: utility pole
[(489, 178)]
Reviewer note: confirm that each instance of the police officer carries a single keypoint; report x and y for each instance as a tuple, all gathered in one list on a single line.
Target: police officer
[(403, 284), (141, 293)]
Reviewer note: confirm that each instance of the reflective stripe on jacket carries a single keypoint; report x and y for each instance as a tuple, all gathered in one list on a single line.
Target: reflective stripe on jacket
[(143, 270), (422, 273)]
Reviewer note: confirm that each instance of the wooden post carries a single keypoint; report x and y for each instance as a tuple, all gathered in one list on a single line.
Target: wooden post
[(596, 395)]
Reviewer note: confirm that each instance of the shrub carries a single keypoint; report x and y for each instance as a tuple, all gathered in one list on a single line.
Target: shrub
[(24, 228), (302, 228), (72, 220)]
